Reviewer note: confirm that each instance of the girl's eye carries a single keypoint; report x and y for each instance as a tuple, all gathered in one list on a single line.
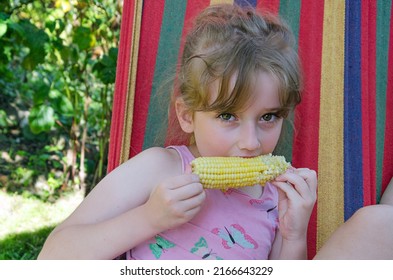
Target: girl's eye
[(226, 117), (269, 117)]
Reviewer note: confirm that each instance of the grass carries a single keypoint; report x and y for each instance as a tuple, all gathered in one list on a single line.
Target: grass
[(25, 223)]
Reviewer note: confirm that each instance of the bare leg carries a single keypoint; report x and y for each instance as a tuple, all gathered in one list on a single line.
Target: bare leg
[(368, 234)]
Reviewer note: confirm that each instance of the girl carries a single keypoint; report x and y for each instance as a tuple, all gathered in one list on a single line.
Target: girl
[(238, 81)]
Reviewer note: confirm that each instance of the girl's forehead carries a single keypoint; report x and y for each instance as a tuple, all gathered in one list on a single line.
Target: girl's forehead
[(215, 87), (262, 85)]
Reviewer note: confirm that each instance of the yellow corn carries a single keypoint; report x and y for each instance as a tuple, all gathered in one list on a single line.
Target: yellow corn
[(237, 172)]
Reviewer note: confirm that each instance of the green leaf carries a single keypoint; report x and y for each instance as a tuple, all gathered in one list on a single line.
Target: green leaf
[(54, 94), (113, 54), (3, 28), (18, 28), (3, 118), (64, 106), (4, 16), (83, 38), (106, 67), (108, 75), (35, 39), (40, 94), (41, 118)]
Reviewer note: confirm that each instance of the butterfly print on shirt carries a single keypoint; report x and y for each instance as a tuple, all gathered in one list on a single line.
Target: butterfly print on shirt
[(202, 250), (266, 205), (160, 246), (235, 235)]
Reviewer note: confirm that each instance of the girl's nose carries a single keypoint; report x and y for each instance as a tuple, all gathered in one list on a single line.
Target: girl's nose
[(248, 138)]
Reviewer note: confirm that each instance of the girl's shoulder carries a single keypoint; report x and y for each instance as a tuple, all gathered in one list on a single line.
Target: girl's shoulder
[(161, 155), (139, 175), (159, 160)]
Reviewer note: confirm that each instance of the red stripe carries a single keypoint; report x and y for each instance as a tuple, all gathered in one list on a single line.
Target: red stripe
[(175, 135), (368, 76), (271, 6), (121, 85), (149, 38), (388, 148), (306, 138)]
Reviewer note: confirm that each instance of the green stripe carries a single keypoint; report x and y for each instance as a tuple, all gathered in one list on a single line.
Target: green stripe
[(167, 57), (290, 12), (383, 25)]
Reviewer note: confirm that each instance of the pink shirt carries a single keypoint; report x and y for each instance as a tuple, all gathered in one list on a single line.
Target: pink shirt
[(231, 225)]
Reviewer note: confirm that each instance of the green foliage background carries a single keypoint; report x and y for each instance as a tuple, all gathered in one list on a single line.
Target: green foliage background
[(57, 73)]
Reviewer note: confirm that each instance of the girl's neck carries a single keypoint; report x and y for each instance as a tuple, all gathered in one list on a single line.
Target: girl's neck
[(194, 150)]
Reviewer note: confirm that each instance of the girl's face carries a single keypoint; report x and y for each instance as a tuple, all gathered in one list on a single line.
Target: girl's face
[(253, 131)]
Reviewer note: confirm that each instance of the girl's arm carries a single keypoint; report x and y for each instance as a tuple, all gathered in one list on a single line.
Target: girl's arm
[(297, 196), (287, 250), (145, 196)]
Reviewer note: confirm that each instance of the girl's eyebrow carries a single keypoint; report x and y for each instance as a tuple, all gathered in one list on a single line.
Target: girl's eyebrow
[(280, 111), (274, 109)]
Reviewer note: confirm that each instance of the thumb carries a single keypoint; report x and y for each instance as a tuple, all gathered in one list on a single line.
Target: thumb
[(188, 169), (281, 194)]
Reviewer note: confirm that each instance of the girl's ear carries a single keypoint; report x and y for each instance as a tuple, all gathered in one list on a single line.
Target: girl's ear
[(184, 115)]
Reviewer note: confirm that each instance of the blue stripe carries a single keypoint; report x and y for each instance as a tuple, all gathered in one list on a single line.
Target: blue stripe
[(246, 3), (353, 157)]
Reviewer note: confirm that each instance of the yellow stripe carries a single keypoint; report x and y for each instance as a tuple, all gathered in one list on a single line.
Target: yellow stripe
[(128, 118), (330, 163), (214, 2)]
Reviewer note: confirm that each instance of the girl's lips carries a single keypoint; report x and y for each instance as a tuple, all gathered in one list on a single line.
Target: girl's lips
[(248, 156)]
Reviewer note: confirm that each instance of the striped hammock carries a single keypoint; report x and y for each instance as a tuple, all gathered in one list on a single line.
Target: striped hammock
[(341, 129)]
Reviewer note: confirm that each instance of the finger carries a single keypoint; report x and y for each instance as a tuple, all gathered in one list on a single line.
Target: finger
[(296, 187), (288, 191), (180, 181), (310, 176), (188, 169), (295, 199), (281, 194), (193, 202), (300, 176), (186, 192), (294, 180), (192, 212), (190, 207)]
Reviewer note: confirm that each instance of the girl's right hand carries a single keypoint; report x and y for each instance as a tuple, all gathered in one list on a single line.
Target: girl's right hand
[(175, 201)]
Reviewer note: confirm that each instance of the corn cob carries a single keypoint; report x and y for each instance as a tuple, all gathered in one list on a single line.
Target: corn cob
[(237, 172)]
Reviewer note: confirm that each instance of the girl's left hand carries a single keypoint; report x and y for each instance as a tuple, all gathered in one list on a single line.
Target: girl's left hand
[(297, 195)]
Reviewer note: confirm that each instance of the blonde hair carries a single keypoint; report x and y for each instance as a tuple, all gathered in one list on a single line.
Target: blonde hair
[(228, 40)]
